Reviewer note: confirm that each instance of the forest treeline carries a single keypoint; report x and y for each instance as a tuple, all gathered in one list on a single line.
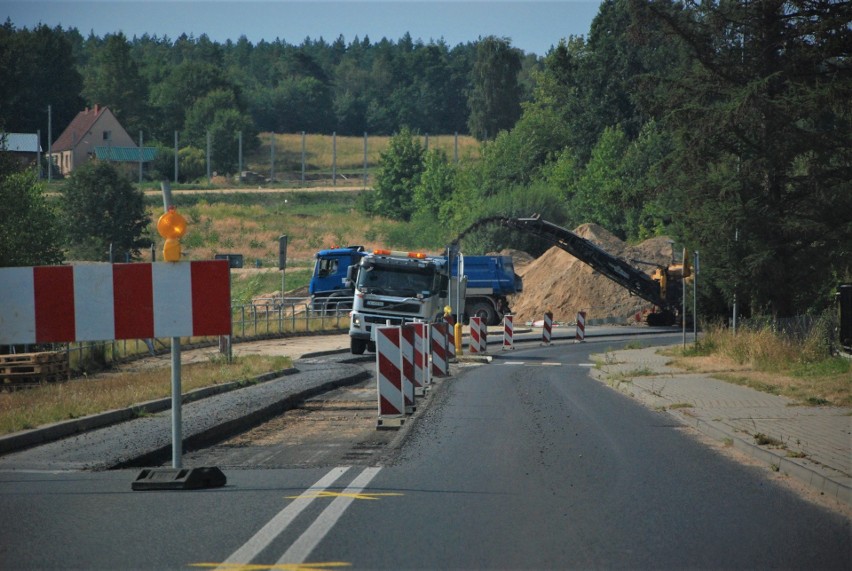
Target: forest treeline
[(158, 85), (725, 125)]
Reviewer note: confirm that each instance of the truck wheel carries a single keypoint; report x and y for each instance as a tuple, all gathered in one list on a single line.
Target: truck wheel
[(357, 346), (485, 311), (371, 347)]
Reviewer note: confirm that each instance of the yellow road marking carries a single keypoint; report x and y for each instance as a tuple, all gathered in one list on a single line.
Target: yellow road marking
[(359, 496)]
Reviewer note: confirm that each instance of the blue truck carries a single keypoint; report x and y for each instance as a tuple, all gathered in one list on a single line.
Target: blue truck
[(330, 289), (490, 279)]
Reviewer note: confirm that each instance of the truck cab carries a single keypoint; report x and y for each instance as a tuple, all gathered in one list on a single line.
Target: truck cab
[(329, 289), (395, 288)]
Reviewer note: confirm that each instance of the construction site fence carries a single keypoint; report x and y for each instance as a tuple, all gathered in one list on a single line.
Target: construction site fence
[(271, 318)]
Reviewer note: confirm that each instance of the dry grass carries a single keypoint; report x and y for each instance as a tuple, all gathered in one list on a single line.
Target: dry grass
[(320, 150), (761, 359), (25, 409), (253, 229)]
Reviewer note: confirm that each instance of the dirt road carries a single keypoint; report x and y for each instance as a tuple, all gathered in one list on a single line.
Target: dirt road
[(248, 189)]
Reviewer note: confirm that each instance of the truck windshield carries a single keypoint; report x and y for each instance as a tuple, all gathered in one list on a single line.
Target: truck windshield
[(396, 281)]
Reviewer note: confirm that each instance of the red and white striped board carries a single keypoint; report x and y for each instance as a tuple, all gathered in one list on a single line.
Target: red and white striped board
[(412, 387), (508, 332), (389, 377), (421, 357), (440, 364), (476, 327), (547, 328), (100, 302), (451, 337), (581, 326)]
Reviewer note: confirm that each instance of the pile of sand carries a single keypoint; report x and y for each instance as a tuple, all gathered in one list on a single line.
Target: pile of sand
[(560, 283)]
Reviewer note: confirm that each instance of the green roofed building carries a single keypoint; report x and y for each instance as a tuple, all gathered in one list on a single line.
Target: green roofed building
[(125, 154)]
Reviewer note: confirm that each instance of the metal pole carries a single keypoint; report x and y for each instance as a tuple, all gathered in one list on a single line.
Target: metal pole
[(695, 301), (303, 157), (49, 145), (240, 159), (177, 436), (38, 153), (208, 157), (334, 158), (683, 305), (365, 160), (272, 157), (736, 239), (176, 158), (140, 158), (456, 147)]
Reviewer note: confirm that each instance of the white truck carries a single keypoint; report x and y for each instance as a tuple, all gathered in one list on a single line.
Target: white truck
[(393, 287)]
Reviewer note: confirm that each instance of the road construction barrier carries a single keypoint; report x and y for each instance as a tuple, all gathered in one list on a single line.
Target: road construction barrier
[(508, 332), (97, 302), (581, 326), (440, 364), (451, 337), (422, 377), (389, 377), (547, 328), (478, 336), (408, 380)]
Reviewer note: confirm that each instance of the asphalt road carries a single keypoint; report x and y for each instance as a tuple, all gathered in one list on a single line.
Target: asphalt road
[(523, 463)]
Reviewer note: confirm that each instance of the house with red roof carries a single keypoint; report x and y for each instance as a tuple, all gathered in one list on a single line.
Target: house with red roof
[(96, 133)]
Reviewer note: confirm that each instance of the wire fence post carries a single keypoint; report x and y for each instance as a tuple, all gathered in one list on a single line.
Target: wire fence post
[(303, 157)]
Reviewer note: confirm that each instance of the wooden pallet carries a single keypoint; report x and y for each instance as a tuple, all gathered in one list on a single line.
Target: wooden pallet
[(32, 369)]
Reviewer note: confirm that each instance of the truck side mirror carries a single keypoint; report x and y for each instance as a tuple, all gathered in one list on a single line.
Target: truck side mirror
[(349, 280)]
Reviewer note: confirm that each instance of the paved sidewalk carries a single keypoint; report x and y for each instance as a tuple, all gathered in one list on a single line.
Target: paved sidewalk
[(810, 443)]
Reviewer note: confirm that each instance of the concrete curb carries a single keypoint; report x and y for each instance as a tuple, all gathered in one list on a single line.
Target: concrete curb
[(720, 432), (806, 475)]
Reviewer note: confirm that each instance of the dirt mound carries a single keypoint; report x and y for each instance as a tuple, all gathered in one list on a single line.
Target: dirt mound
[(559, 282)]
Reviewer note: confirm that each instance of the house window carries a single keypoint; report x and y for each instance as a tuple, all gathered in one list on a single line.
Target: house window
[(107, 135)]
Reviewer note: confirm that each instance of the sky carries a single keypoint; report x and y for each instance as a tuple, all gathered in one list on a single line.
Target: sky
[(533, 26)]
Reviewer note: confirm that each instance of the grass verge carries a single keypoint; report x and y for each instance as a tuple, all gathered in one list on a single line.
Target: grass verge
[(804, 370), (25, 409)]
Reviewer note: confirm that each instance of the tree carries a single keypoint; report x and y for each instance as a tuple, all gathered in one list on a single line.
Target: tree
[(113, 79), (31, 234), (763, 139), (181, 88), (437, 182), (400, 168), (495, 96), (100, 207), (38, 70)]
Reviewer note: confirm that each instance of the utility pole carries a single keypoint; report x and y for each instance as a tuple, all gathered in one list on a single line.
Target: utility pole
[(49, 145)]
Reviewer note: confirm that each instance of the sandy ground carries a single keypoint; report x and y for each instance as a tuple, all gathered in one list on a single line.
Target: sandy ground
[(294, 347)]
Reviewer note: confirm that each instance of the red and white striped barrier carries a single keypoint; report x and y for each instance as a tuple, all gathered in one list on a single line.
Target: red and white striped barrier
[(451, 337), (581, 326), (547, 328), (406, 345), (508, 332), (421, 358), (440, 364), (478, 334), (389, 377), (97, 302)]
